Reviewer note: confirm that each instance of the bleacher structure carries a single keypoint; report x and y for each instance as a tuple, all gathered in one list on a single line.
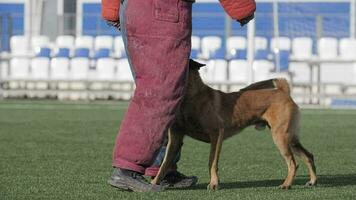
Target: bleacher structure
[(93, 64)]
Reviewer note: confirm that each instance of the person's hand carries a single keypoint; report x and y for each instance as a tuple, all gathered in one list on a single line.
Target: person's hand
[(115, 24), (246, 20)]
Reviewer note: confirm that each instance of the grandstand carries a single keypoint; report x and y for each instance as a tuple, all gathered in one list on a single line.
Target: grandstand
[(76, 55)]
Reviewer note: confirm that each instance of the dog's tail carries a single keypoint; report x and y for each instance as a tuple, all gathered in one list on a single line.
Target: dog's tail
[(282, 84)]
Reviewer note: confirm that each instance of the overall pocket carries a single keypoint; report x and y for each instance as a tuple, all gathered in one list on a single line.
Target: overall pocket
[(166, 10)]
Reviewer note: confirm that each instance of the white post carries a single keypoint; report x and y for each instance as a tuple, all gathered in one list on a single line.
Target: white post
[(352, 18), (276, 35), (250, 49)]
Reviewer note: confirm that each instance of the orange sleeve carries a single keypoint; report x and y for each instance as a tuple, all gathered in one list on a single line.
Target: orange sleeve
[(110, 9), (239, 9)]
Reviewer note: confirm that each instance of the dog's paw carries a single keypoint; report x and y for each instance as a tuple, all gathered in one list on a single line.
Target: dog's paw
[(285, 187), (213, 187), (310, 183)]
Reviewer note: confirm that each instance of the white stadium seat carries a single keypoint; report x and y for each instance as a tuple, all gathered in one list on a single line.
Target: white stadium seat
[(79, 72), (105, 69), (281, 43), (65, 41), (19, 45), (262, 69), (59, 69), (40, 68), (234, 43), (216, 71), (238, 71), (327, 47), (84, 42), (119, 47), (20, 68), (302, 47), (210, 44), (103, 42), (261, 43), (39, 41), (347, 48), (79, 68), (332, 72), (196, 42), (123, 72)]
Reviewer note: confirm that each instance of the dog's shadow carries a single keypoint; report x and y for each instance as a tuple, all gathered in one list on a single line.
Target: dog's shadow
[(338, 180)]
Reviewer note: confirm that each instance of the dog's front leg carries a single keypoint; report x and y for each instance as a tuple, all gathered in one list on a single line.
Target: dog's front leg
[(174, 142), (215, 148)]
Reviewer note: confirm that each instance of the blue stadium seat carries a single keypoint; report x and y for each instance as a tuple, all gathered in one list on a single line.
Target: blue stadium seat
[(284, 60), (261, 54), (81, 53), (44, 52), (194, 53), (62, 53), (241, 54), (102, 53), (218, 54)]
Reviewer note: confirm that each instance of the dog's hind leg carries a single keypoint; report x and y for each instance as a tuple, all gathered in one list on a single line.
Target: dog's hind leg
[(299, 150), (215, 149), (175, 140), (308, 159), (281, 140)]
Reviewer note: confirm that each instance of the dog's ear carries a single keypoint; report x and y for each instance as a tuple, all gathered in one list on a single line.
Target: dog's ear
[(195, 65)]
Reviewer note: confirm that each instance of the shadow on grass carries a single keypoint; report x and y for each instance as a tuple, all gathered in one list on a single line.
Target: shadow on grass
[(338, 180)]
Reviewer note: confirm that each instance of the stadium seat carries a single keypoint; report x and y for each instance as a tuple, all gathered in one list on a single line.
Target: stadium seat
[(216, 71), (328, 48), (19, 68), (59, 68), (261, 54), (119, 47), (282, 57), (102, 53), (65, 41), (280, 43), (196, 43), (62, 53), (236, 44), (84, 42), (194, 54), (39, 42), (105, 69), (302, 47), (103, 42), (333, 72), (82, 53), (40, 68), (79, 68), (218, 54), (238, 70), (123, 72), (43, 52), (19, 45), (210, 44), (262, 69), (261, 43), (347, 48)]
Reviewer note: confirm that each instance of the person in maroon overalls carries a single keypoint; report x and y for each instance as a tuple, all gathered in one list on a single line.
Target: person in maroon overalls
[(157, 38)]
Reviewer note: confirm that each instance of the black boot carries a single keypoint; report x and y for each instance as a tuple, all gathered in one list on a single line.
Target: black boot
[(176, 179), (132, 181)]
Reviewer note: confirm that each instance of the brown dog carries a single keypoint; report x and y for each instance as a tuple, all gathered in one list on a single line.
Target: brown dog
[(211, 116)]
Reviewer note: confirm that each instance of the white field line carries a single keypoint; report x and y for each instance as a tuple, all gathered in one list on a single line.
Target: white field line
[(61, 107)]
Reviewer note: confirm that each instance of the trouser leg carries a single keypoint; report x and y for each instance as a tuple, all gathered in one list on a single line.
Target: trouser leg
[(158, 46)]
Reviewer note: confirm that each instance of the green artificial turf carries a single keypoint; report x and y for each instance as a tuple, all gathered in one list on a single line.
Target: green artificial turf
[(62, 150)]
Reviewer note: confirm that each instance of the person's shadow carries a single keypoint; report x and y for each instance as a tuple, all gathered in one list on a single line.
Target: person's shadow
[(337, 180)]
